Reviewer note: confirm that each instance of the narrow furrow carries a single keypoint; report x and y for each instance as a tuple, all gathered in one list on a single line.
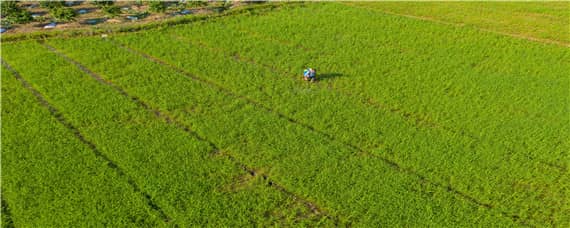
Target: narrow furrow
[(355, 148), (170, 120), (60, 118)]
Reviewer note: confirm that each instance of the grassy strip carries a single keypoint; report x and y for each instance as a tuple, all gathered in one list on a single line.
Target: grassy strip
[(394, 136), (63, 179), (176, 169), (114, 29), (301, 160)]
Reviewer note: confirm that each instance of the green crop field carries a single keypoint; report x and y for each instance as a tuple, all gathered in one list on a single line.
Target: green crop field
[(424, 115)]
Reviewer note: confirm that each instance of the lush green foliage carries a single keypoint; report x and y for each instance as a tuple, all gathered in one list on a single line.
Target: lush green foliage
[(299, 158), (469, 124), (62, 13), (480, 90), (103, 3), (197, 3), (12, 13), (51, 179), (178, 171), (111, 10), (413, 123), (51, 4), (9, 7), (157, 6)]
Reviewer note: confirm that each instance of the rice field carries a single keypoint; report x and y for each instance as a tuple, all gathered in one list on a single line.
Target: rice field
[(420, 117)]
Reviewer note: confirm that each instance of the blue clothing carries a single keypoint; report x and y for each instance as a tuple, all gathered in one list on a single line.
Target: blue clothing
[(309, 73)]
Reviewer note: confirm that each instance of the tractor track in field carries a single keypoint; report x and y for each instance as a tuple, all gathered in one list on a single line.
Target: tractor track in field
[(170, 120), (411, 117), (331, 138), (7, 213), (110, 163)]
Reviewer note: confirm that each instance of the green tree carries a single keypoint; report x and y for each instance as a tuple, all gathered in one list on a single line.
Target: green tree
[(157, 6), (63, 13), (13, 13), (103, 3), (111, 10), (51, 4)]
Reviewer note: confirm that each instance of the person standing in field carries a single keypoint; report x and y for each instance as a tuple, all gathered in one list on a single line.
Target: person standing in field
[(310, 74)]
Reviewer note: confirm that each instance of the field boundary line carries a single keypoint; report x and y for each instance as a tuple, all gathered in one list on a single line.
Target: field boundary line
[(170, 120), (5, 211), (110, 163), (463, 25), (355, 148), (408, 116)]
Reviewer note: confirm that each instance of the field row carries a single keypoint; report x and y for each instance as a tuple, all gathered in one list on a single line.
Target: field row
[(506, 179), (59, 164), (239, 129), (497, 168), (559, 164), (549, 173), (192, 109), (451, 93), (178, 172), (216, 151)]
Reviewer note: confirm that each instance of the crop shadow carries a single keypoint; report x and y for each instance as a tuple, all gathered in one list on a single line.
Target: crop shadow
[(327, 76)]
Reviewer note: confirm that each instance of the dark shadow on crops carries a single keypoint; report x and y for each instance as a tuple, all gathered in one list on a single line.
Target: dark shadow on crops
[(6, 214), (327, 76)]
